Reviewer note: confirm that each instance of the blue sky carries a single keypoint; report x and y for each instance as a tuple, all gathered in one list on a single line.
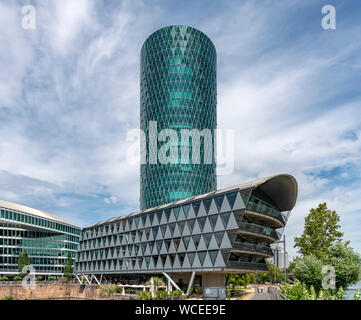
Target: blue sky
[(69, 92)]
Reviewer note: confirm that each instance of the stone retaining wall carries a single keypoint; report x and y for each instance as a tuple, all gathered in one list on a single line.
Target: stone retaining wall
[(55, 291)]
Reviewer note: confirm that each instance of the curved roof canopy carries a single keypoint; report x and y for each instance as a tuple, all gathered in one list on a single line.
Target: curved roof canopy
[(282, 189)]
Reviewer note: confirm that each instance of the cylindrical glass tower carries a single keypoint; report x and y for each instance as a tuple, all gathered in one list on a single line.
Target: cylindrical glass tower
[(177, 95)]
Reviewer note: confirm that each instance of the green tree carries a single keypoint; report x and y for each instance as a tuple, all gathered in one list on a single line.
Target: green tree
[(321, 231), (23, 260), (309, 271), (347, 264), (272, 270), (68, 266)]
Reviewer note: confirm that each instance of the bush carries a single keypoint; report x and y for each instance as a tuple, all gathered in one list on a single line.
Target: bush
[(38, 278), (162, 294), (143, 295), (52, 278), (300, 291), (7, 298), (176, 293), (157, 282), (347, 264), (309, 271), (4, 278), (18, 278)]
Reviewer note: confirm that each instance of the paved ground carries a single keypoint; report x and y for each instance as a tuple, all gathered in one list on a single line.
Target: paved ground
[(261, 294)]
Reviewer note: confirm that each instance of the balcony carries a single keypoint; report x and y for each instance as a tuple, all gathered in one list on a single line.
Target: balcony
[(263, 213), (253, 249), (240, 266), (258, 232)]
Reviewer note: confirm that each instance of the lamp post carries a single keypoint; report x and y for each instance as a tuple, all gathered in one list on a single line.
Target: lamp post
[(284, 262)]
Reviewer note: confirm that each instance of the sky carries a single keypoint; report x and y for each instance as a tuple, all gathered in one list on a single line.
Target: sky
[(69, 93)]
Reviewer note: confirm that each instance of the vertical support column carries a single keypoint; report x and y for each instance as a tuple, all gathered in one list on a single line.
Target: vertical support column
[(190, 284), (152, 287)]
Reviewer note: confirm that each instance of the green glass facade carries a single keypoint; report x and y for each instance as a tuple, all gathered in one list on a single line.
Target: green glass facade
[(178, 91), (46, 241)]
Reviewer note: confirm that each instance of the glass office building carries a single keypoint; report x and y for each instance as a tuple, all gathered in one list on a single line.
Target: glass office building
[(178, 92), (46, 238), (224, 231)]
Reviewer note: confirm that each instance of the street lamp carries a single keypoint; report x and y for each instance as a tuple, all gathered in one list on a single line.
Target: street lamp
[(284, 262)]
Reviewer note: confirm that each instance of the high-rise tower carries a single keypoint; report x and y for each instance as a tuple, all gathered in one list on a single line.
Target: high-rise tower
[(178, 92)]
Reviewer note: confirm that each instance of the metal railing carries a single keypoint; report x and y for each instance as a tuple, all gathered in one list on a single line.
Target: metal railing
[(251, 247), (254, 228), (246, 265), (263, 208), (275, 294)]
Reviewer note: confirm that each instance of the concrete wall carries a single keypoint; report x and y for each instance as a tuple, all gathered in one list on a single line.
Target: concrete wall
[(52, 291), (209, 279)]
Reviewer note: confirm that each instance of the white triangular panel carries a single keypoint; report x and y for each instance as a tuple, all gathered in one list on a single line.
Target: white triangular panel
[(159, 264), (167, 234), (191, 213), (238, 203), (225, 205), (147, 222), (219, 225), (219, 260), (186, 231), (196, 229), (181, 247), (213, 243), (225, 244), (151, 265), (196, 262), (213, 208), (167, 263), (191, 246), (176, 233), (163, 220), (171, 248), (202, 210), (202, 245), (232, 223), (181, 215), (163, 249), (144, 238), (207, 263), (172, 217), (207, 226), (186, 263), (176, 264)]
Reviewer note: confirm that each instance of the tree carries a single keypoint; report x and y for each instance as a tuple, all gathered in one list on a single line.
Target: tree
[(309, 271), (68, 266), (23, 260), (321, 231), (272, 269), (347, 264)]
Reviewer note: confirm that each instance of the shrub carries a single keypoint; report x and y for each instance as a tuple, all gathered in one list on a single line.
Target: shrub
[(161, 294), (108, 290), (347, 264), (357, 295), (176, 293), (309, 271), (18, 278), (4, 278), (7, 298), (157, 282), (38, 278), (300, 291), (143, 295), (52, 278)]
